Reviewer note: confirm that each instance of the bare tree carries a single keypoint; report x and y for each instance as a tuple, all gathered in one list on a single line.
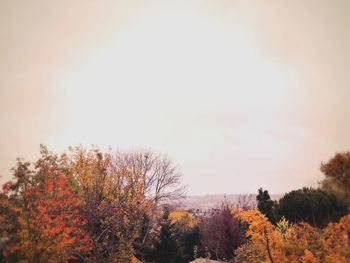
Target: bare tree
[(246, 201), (160, 177)]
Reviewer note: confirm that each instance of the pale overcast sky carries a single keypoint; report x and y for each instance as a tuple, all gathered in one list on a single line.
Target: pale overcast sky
[(239, 94)]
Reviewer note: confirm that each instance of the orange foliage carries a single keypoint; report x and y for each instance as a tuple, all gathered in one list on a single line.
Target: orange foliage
[(50, 227), (262, 234), (182, 219), (295, 243)]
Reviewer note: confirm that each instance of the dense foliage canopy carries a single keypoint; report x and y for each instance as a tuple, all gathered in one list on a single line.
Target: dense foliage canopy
[(314, 206), (88, 206)]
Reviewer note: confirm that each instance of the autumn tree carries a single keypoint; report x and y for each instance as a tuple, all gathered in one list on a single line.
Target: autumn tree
[(249, 252), (119, 195), (285, 242), (221, 233), (50, 226), (122, 192), (159, 178), (8, 226), (182, 219), (337, 175), (262, 236), (12, 200)]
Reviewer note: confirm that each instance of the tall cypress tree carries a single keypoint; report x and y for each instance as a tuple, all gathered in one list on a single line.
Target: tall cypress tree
[(266, 205)]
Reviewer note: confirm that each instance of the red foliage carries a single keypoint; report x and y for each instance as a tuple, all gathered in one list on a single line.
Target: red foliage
[(222, 233), (6, 187), (51, 226)]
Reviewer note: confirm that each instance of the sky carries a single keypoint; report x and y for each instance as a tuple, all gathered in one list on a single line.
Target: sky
[(239, 94)]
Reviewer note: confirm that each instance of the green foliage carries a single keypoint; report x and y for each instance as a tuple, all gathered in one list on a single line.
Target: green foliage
[(314, 206), (165, 249), (188, 243), (175, 242)]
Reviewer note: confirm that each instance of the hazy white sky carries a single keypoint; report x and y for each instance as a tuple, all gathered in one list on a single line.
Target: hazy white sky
[(240, 94)]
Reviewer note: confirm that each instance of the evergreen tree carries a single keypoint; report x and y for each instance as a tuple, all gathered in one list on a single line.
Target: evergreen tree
[(314, 206), (165, 249), (188, 240), (266, 206)]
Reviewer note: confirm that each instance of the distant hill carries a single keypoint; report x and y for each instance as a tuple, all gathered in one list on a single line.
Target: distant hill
[(204, 202)]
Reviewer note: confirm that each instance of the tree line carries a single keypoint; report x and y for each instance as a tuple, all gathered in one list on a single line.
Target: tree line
[(85, 205)]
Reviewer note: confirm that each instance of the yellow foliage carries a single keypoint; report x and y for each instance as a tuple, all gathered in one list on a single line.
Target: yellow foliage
[(293, 243), (263, 235), (182, 218), (135, 260)]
